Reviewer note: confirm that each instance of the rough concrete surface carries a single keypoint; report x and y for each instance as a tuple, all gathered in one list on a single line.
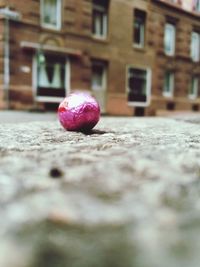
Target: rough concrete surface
[(125, 195), (17, 116)]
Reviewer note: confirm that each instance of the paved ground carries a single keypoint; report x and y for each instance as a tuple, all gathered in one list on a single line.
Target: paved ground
[(10, 116), (128, 194)]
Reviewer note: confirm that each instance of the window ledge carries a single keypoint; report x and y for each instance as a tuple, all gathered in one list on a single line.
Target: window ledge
[(168, 95), (138, 104), (139, 48), (192, 97), (49, 48), (100, 39), (195, 61), (49, 99), (50, 28), (161, 52), (170, 55)]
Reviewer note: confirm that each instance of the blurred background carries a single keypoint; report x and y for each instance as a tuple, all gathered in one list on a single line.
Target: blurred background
[(137, 57)]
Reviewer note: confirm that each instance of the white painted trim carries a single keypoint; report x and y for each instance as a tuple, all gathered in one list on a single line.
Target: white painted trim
[(139, 46), (34, 76), (171, 86), (148, 86), (50, 98), (58, 15), (67, 76), (99, 37), (105, 24), (105, 77), (167, 94), (195, 82), (195, 46)]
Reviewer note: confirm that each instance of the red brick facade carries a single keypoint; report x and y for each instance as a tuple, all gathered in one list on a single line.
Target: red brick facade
[(75, 43)]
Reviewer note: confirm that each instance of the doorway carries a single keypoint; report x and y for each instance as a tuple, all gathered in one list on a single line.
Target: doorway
[(99, 83)]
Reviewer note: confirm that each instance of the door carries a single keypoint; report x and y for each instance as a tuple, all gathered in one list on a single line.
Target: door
[(99, 83)]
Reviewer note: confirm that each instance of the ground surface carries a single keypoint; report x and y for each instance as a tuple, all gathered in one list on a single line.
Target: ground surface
[(127, 195)]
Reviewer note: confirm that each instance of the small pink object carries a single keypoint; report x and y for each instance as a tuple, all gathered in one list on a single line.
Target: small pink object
[(79, 112)]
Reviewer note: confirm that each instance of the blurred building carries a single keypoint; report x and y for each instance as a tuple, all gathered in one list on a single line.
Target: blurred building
[(136, 57)]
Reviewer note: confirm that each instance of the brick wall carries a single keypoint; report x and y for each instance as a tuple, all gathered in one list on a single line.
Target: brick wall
[(180, 63), (116, 51)]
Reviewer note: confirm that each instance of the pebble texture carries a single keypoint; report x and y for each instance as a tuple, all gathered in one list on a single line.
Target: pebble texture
[(126, 194)]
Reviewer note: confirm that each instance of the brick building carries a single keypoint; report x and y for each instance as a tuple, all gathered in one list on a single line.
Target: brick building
[(135, 56)]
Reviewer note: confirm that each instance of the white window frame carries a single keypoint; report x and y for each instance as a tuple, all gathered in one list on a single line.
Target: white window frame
[(195, 85), (195, 47), (98, 35), (148, 86), (197, 6), (172, 29), (58, 16), (50, 99), (142, 34), (104, 76), (169, 93)]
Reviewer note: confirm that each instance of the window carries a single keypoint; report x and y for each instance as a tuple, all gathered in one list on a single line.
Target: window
[(168, 88), (51, 14), (51, 75), (100, 18), (98, 76), (174, 1), (138, 86), (195, 46), (197, 5), (169, 39), (139, 28), (193, 89)]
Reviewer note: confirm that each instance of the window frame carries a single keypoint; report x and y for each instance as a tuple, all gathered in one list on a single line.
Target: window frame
[(169, 93), (50, 99), (194, 84), (170, 26), (104, 12), (148, 85), (195, 57), (58, 16), (104, 75)]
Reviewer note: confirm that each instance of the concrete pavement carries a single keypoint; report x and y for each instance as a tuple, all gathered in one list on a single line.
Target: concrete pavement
[(15, 116), (125, 195)]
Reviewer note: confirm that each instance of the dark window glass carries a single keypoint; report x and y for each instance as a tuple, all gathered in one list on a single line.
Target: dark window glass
[(137, 84)]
